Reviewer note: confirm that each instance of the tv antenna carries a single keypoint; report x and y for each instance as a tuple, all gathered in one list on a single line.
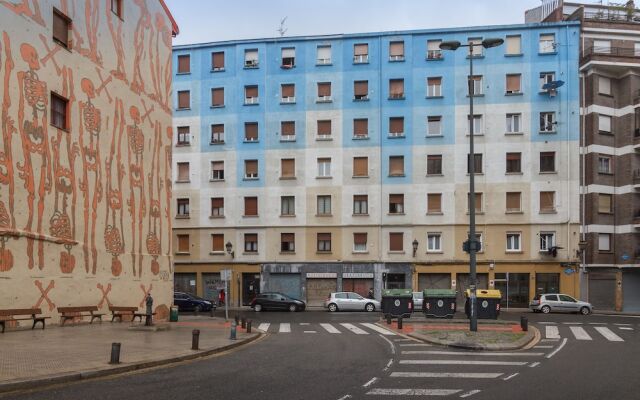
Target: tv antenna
[(282, 30)]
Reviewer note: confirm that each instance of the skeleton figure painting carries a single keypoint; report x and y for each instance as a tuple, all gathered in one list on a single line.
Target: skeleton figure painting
[(113, 238), (137, 201)]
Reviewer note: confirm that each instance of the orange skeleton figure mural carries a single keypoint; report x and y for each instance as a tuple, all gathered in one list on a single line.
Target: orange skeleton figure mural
[(115, 28), (135, 151), (90, 124), (34, 135), (92, 22), (153, 241), (23, 8), (168, 149), (144, 25), (113, 233)]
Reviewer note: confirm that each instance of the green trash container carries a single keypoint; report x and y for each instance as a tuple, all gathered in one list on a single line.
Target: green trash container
[(439, 303), (173, 314), (397, 302), (487, 301)]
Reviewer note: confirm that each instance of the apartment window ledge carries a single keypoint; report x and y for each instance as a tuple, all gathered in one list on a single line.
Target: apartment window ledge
[(396, 136), (548, 53), (250, 179), (435, 213), (514, 94), (324, 65), (183, 109), (514, 55), (218, 142), (514, 173), (606, 95), (324, 215), (476, 173), (361, 137), (435, 252), (514, 252), (183, 73), (606, 133), (324, 101), (287, 253), (396, 98), (323, 252), (183, 144), (360, 62), (434, 136), (251, 141), (216, 216), (287, 215), (475, 57), (547, 132), (217, 253), (396, 252), (252, 104), (606, 173), (284, 103), (435, 175), (217, 69), (434, 97), (393, 214), (514, 133), (605, 252), (287, 140), (477, 212), (397, 176), (361, 100), (324, 139), (548, 172), (548, 212), (182, 253), (183, 181), (514, 212), (249, 253), (216, 180), (477, 95), (475, 135), (251, 67), (250, 216), (324, 177), (427, 58), (360, 215), (287, 178), (359, 252), (605, 212), (182, 217), (219, 106)]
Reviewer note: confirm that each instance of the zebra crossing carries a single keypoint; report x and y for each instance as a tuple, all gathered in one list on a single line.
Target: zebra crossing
[(584, 332), (362, 328)]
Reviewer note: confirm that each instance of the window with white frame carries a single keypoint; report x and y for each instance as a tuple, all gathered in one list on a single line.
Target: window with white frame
[(324, 167), (360, 204), (360, 242), (434, 125), (433, 50), (605, 164), (477, 125), (217, 170), (324, 205), (604, 85), (604, 123), (547, 43), (547, 122), (602, 46), (217, 133), (477, 50), (434, 242), (287, 205), (434, 87), (476, 86), (513, 45), (360, 53), (323, 55), (546, 77), (604, 242), (513, 123), (513, 241), (251, 94), (547, 240), (251, 58), (288, 57), (184, 137)]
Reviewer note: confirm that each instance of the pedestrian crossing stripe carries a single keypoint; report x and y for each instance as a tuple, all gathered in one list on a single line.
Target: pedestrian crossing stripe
[(330, 328), (580, 333), (379, 329), (608, 334), (264, 326), (413, 392), (285, 327), (354, 329)]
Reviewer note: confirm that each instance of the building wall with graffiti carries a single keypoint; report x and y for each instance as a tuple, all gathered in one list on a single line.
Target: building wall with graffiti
[(85, 209)]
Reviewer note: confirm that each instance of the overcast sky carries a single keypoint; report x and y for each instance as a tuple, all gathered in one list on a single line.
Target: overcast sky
[(216, 20)]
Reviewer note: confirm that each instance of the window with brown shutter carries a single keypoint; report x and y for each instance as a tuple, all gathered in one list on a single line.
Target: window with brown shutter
[(184, 99), (547, 161), (287, 242), (184, 137), (477, 165), (184, 64), (360, 238), (360, 53), (396, 204), (217, 170), (324, 242), (396, 126), (61, 27), (478, 202), (434, 203), (360, 204), (250, 131), (513, 201), (217, 242), (217, 97), (250, 206), (217, 206), (395, 241), (324, 128), (251, 242), (547, 202), (250, 169), (361, 127), (513, 83), (361, 90), (396, 88), (287, 128), (59, 111), (605, 203), (434, 164), (183, 172), (513, 163), (217, 133), (360, 166), (288, 90), (217, 61), (183, 243), (324, 90), (396, 51), (288, 167), (396, 165), (251, 92)]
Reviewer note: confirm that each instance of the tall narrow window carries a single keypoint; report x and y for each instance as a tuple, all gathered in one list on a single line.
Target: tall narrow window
[(360, 204), (547, 161), (513, 241), (59, 110), (604, 242), (324, 242), (545, 79), (396, 204), (360, 53), (434, 164), (396, 165), (477, 125), (184, 99), (288, 91), (513, 84), (183, 208), (217, 243), (360, 242), (513, 46), (477, 50), (547, 202), (251, 169), (183, 243), (323, 205), (396, 126), (604, 85), (250, 131), (547, 43), (434, 203), (250, 242), (605, 203), (324, 91), (604, 123), (514, 163), (217, 170), (361, 90), (360, 128), (396, 51), (396, 89), (477, 202), (250, 206), (217, 206), (433, 50), (476, 85), (184, 138), (184, 64), (434, 87), (288, 57), (217, 61), (287, 131), (360, 167), (513, 123), (217, 97), (251, 58), (324, 55), (547, 122), (324, 167), (287, 242), (287, 205), (547, 240), (434, 242), (434, 125), (183, 172), (61, 28), (217, 133), (324, 129), (288, 168), (514, 202), (605, 164), (395, 241), (477, 165), (251, 95)]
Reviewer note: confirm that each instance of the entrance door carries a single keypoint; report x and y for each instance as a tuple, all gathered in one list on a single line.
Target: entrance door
[(395, 281), (250, 287), (360, 286), (631, 291), (462, 284), (547, 283), (319, 289), (434, 281), (288, 284), (184, 283), (514, 288), (212, 284), (602, 290)]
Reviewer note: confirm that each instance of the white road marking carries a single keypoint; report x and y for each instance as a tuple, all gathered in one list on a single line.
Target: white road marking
[(550, 340), (285, 327), (304, 323), (623, 324), (626, 328), (580, 333), (393, 348), (510, 376), (264, 326), (348, 396), (403, 340), (461, 362), (378, 329), (572, 323), (552, 332), (330, 328), (388, 365), (542, 347), (415, 345), (472, 354), (608, 334), (354, 329), (533, 365), (552, 323), (553, 353), (470, 393), (310, 332), (468, 375), (370, 382), (414, 392), (597, 323)]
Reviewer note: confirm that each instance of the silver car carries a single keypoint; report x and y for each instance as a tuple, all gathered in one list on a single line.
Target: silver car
[(546, 303), (418, 298), (350, 301)]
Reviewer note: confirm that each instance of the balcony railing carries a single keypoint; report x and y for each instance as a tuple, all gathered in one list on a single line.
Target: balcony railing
[(611, 51), (613, 15)]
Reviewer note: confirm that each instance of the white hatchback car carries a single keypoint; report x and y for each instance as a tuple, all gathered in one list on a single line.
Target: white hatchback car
[(350, 301)]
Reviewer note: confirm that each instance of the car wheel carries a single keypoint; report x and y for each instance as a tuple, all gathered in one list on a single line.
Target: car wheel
[(293, 308), (545, 309), (585, 311), (370, 307), (198, 308), (257, 307), (333, 308)]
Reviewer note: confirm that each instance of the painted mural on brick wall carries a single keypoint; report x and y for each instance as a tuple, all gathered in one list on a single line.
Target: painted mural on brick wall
[(85, 211)]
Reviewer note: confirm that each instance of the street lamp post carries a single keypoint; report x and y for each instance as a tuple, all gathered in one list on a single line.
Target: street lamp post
[(471, 245)]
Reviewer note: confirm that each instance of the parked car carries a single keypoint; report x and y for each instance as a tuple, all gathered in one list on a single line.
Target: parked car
[(350, 301), (276, 301), (189, 302), (418, 298), (548, 302)]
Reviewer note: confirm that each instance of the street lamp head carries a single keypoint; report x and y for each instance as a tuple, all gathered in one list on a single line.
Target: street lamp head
[(450, 45), (494, 42)]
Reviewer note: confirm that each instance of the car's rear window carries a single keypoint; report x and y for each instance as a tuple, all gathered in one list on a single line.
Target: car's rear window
[(551, 297)]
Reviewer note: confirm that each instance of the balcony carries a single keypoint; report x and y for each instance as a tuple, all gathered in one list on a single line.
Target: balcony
[(636, 178), (619, 54)]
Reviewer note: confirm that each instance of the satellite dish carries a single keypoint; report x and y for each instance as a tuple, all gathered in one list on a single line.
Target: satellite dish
[(553, 85)]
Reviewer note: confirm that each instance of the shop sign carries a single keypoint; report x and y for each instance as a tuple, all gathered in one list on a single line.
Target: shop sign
[(357, 275), (322, 275)]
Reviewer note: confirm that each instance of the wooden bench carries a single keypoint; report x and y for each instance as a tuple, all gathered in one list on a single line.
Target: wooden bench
[(67, 313), (33, 314), (118, 312)]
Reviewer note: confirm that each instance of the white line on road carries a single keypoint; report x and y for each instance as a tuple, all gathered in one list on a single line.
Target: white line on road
[(553, 353), (330, 328), (623, 324), (461, 362), (393, 348), (414, 392), (470, 393), (580, 333), (348, 396), (550, 340), (378, 329), (472, 354), (304, 323), (552, 332), (608, 334), (535, 364), (626, 328), (388, 365), (310, 332), (510, 376), (572, 323), (552, 323), (415, 345), (354, 329), (370, 382), (597, 323), (285, 327), (264, 326), (468, 375), (542, 347), (403, 340)]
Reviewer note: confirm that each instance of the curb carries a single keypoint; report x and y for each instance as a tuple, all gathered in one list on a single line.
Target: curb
[(531, 338), (38, 383)]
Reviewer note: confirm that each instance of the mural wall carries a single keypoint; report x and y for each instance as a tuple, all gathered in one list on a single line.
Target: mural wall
[(85, 214)]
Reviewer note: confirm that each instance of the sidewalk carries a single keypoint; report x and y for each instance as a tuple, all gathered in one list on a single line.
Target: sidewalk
[(31, 358)]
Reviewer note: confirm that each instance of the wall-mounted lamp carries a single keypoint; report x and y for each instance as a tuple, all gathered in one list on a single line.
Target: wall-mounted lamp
[(415, 246), (229, 247)]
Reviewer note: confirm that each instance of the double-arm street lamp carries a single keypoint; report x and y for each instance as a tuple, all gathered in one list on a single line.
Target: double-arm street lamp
[(472, 244)]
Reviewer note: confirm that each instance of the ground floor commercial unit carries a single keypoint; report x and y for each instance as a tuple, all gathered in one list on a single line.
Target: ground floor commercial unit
[(612, 288)]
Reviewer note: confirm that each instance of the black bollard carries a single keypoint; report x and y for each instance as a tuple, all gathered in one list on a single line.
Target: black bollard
[(524, 323), (399, 322), (196, 311), (237, 318), (249, 326), (115, 353), (232, 333), (243, 323), (211, 310), (388, 319), (195, 339)]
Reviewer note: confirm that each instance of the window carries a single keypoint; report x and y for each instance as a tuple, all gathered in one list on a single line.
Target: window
[(217, 133), (477, 202), (217, 206), (61, 28), (183, 172), (396, 165), (545, 78), (183, 208), (116, 8), (477, 124), (59, 111), (434, 87), (251, 94), (396, 126), (250, 131), (360, 53), (547, 122), (360, 204), (604, 85), (324, 242), (184, 138), (184, 99), (360, 128), (396, 89), (361, 90), (360, 242), (217, 97), (361, 167), (547, 240), (217, 242), (434, 203), (287, 131), (514, 201), (288, 91), (184, 64), (604, 164), (434, 125), (251, 169), (183, 243), (476, 85), (288, 58), (604, 242), (476, 49), (288, 205), (287, 242), (547, 161), (433, 50), (395, 241), (324, 167), (396, 51), (636, 49), (513, 46), (514, 163), (513, 241), (477, 165), (250, 206), (324, 129), (604, 123), (547, 202), (396, 204), (287, 168), (434, 242), (434, 164), (513, 123), (251, 58), (250, 242), (323, 55), (324, 205), (217, 170), (513, 84), (217, 61), (324, 91), (605, 203), (602, 46), (547, 43)]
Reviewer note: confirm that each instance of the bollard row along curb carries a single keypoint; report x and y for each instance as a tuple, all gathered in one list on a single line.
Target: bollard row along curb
[(55, 379)]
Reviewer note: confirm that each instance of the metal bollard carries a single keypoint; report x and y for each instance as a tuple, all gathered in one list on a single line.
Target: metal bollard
[(249, 326), (237, 318), (211, 310), (196, 311), (195, 339), (524, 323), (399, 322), (388, 319), (115, 353), (243, 323), (233, 332)]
